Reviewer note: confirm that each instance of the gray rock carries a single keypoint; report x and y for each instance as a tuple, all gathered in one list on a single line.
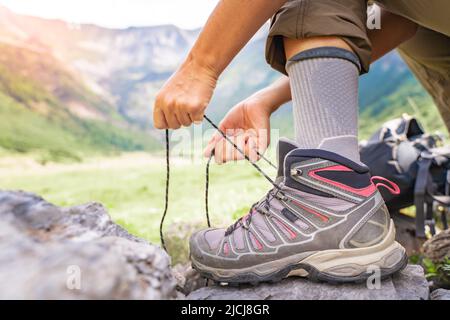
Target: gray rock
[(188, 279), (438, 247), (48, 252), (440, 294), (409, 284)]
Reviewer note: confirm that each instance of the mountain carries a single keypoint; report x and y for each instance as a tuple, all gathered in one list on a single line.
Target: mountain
[(46, 105), (125, 66), (108, 78), (390, 90)]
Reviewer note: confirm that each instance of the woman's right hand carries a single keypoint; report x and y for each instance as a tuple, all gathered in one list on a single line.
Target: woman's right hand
[(247, 124)]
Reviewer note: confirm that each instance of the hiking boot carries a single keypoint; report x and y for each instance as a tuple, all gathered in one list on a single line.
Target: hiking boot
[(325, 220)]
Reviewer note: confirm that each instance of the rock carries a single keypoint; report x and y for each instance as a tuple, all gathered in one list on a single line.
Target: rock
[(409, 284), (438, 247), (188, 279), (48, 252), (440, 294)]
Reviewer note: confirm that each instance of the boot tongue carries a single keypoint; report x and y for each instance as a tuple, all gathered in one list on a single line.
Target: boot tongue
[(284, 147)]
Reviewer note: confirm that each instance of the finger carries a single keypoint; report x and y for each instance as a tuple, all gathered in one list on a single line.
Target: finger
[(263, 140), (252, 149), (208, 149), (240, 143), (219, 151), (211, 144), (159, 120), (229, 149), (197, 115), (259, 141), (183, 118), (172, 120)]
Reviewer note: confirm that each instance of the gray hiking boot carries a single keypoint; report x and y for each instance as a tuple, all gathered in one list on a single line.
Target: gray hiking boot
[(327, 221)]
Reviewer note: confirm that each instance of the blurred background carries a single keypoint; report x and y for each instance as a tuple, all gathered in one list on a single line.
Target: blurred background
[(77, 85)]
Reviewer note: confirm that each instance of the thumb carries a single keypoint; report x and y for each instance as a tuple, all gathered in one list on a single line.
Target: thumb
[(211, 145), (197, 116)]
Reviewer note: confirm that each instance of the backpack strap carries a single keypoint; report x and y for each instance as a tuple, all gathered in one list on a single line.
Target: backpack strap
[(420, 191)]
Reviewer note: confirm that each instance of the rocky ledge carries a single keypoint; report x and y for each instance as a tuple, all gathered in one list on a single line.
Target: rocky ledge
[(409, 284), (47, 252)]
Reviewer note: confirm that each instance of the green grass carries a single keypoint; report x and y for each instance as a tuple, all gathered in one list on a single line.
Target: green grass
[(24, 131), (132, 189)]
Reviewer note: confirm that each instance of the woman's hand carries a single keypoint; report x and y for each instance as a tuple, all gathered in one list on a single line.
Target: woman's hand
[(247, 124), (185, 96)]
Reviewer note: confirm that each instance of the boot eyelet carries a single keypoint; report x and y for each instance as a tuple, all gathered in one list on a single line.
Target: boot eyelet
[(296, 172)]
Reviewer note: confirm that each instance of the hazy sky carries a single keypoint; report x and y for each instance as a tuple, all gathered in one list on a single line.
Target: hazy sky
[(119, 13)]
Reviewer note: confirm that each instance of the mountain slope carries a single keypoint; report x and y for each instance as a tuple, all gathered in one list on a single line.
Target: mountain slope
[(388, 91), (125, 66), (44, 107)]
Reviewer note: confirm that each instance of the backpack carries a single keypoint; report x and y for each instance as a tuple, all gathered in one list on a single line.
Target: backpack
[(404, 153)]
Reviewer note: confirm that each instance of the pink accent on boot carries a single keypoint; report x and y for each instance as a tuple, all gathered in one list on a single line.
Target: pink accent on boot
[(366, 191)]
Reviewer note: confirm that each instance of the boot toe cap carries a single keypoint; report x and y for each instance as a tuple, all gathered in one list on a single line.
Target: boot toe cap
[(199, 244)]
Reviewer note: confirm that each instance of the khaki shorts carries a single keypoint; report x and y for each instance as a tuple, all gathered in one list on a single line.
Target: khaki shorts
[(427, 53), (310, 18)]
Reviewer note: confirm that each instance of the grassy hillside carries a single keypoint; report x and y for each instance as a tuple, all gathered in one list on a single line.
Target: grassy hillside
[(44, 108), (388, 91), (408, 99)]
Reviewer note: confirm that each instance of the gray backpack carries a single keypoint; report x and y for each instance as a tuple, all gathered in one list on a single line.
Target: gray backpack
[(402, 152)]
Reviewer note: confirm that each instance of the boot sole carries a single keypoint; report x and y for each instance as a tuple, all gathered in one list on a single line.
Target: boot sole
[(333, 266)]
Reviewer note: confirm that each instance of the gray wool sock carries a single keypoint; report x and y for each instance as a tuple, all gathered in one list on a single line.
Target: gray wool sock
[(325, 101)]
